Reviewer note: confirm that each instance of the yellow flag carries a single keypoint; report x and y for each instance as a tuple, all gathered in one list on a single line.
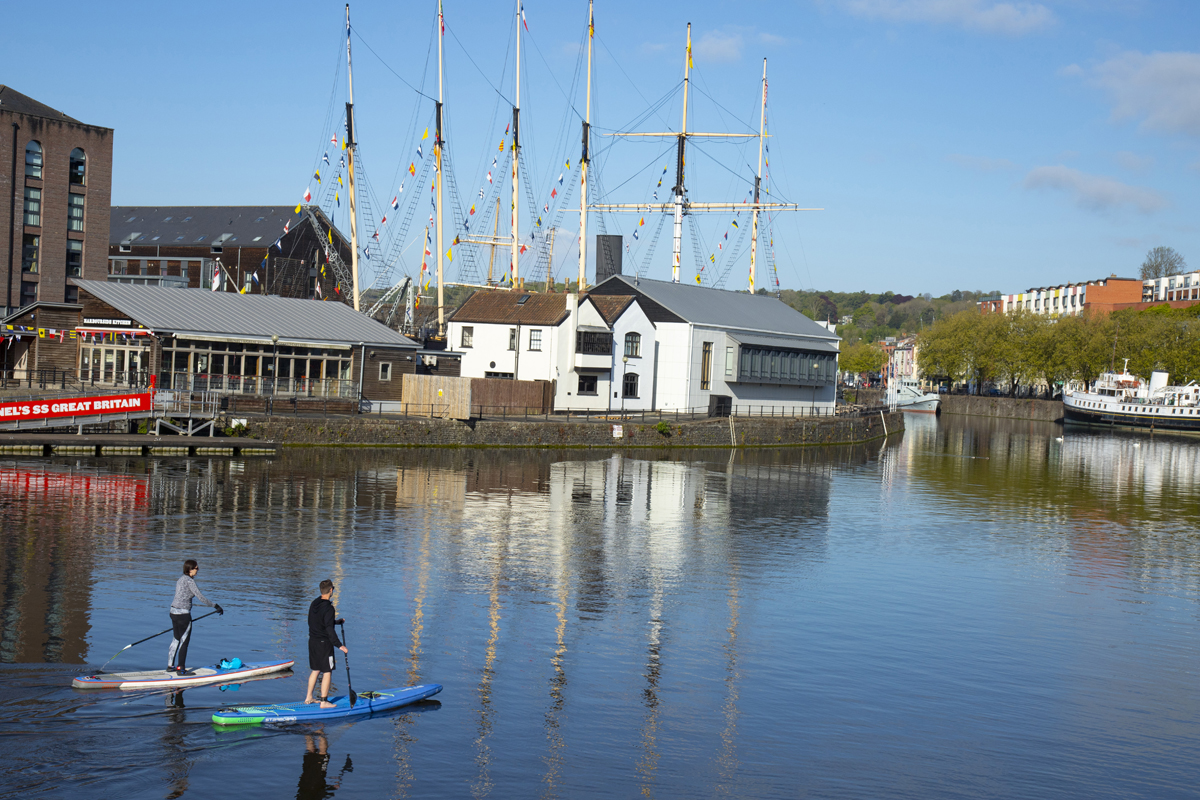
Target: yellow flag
[(450, 254), (331, 235), (690, 57), (697, 279), (297, 208), (425, 135), (501, 148)]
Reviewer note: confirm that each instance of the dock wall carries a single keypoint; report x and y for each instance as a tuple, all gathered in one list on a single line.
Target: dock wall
[(1007, 407), (410, 432)]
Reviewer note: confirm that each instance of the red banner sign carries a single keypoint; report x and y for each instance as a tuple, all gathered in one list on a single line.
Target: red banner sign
[(74, 407)]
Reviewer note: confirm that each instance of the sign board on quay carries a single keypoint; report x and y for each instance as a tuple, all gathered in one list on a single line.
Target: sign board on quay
[(75, 407)]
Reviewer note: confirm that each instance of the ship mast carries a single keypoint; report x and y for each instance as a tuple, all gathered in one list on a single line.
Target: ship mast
[(516, 148), (437, 151), (583, 161), (679, 165), (350, 146), (762, 124)]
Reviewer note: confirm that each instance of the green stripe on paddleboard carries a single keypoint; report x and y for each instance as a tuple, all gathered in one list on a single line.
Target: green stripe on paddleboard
[(221, 720)]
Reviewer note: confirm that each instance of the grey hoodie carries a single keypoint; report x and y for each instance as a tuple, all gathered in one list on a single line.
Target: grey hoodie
[(185, 590)]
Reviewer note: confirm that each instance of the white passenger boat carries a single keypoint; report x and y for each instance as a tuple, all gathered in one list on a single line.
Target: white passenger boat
[(904, 394), (1123, 400)]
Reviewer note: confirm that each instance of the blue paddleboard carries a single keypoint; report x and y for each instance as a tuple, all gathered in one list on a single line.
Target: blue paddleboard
[(368, 703)]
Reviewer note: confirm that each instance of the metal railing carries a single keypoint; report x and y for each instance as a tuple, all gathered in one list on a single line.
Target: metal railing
[(671, 415), (258, 385), (107, 376), (60, 379), (187, 404)]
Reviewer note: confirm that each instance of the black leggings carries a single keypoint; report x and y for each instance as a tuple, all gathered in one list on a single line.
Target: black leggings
[(181, 629)]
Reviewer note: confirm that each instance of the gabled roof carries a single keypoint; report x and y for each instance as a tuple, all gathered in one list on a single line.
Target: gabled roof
[(703, 305), (611, 306), (12, 100), (503, 307), (246, 316), (232, 226)]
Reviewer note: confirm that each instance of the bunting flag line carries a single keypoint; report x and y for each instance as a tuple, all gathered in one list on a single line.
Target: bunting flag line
[(333, 139), (697, 278), (412, 169), (450, 254), (635, 233), (472, 211), (568, 165), (383, 221), (396, 201), (297, 211), (286, 226), (560, 178), (546, 208), (337, 198), (325, 157), (425, 135), (329, 233), (419, 152), (489, 176), (641, 222), (553, 193), (339, 180), (712, 257), (308, 195), (317, 175), (735, 223)]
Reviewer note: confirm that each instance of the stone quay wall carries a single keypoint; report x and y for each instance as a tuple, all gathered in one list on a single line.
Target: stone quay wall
[(1007, 407), (412, 432)]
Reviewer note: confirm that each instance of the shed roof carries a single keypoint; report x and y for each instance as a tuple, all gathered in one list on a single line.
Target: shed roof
[(243, 315), (241, 226), (12, 100), (704, 305), (517, 308)]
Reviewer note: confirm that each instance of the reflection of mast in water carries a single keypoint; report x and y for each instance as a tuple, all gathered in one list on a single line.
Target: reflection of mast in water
[(648, 763), (727, 761), (483, 755), (558, 683)]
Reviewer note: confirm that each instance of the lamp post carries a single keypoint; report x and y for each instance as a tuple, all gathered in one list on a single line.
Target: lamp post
[(624, 366), (274, 362)]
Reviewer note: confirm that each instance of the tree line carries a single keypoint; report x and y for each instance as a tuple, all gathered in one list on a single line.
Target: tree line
[(1024, 349)]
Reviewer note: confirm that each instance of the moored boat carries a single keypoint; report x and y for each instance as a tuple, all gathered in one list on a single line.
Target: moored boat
[(1123, 400), (905, 395)]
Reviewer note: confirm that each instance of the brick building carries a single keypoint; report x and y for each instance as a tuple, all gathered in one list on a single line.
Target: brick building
[(1102, 294), (56, 178), (181, 246)]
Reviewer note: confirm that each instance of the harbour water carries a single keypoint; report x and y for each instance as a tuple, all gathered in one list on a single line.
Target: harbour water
[(972, 609)]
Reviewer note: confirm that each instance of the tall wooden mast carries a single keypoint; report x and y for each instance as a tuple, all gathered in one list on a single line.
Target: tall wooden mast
[(514, 274), (679, 158), (583, 160), (350, 145), (437, 151), (762, 124)]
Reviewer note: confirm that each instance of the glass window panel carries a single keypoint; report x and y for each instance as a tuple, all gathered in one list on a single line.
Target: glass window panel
[(33, 160)]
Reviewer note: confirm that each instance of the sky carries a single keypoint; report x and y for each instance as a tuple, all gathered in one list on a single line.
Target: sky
[(952, 144)]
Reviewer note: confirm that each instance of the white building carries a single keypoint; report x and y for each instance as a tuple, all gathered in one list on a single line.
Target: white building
[(718, 348), (598, 351), (1172, 287), (1067, 298)]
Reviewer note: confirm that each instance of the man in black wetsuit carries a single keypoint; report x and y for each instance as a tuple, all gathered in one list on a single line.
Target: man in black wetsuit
[(322, 639)]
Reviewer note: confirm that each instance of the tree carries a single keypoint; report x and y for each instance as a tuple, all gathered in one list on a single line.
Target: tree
[(862, 357), (1161, 262)]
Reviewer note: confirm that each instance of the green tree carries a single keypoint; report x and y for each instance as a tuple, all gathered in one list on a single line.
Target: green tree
[(862, 357)]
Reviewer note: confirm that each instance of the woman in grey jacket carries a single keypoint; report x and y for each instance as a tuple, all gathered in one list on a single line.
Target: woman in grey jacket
[(181, 617)]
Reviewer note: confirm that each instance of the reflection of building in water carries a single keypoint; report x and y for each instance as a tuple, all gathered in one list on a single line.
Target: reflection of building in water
[(46, 558)]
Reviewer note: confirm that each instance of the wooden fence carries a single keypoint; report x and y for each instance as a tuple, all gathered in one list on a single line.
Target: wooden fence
[(459, 396)]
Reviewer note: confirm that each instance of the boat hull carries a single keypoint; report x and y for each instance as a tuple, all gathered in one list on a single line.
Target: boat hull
[(923, 406), (1159, 418)]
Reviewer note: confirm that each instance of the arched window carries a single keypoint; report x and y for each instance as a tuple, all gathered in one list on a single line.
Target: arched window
[(33, 160), (633, 345), (629, 386), (78, 167)]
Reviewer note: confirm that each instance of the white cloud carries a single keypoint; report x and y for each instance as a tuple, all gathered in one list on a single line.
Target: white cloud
[(988, 16), (772, 39), (717, 47), (1133, 162), (1160, 89), (1071, 71), (1094, 192), (980, 163)]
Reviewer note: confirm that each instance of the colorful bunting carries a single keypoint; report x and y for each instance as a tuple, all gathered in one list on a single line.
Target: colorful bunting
[(412, 169)]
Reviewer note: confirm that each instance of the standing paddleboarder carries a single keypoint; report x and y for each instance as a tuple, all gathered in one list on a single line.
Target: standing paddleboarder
[(322, 639), (181, 617)]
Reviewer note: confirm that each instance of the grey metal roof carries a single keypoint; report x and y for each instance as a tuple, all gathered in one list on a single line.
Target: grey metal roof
[(703, 305), (243, 315), (230, 226)]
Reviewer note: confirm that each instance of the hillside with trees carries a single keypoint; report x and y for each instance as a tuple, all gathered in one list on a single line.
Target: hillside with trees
[(874, 317)]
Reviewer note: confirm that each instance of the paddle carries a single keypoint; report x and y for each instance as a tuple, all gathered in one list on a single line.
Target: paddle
[(346, 661), (148, 638)]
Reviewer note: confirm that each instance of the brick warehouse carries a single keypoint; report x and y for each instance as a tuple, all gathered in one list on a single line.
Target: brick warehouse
[(56, 173), (181, 245)]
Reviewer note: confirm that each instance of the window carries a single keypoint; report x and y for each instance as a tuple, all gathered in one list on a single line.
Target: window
[(629, 386), (33, 206), (512, 338), (587, 384), (75, 212), (385, 371), (74, 258), (28, 293), (72, 295), (502, 375), (468, 336), (593, 343), (729, 362), (535, 340), (31, 245), (33, 160), (706, 351), (633, 345), (78, 167)]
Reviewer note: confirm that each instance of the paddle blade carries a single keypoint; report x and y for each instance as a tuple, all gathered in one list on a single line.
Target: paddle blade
[(353, 698)]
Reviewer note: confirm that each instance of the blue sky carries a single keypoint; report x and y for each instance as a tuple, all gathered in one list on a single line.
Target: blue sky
[(970, 144)]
